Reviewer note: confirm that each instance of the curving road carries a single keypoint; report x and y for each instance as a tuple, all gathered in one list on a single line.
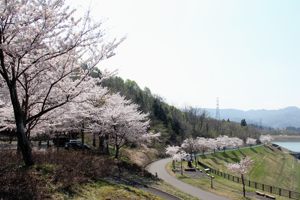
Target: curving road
[(159, 167)]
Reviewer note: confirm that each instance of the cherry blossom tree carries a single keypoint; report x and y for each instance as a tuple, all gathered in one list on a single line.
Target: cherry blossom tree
[(172, 150), (149, 137), (241, 168), (72, 118), (265, 139), (191, 146), (251, 141), (122, 122), (202, 144), (222, 142), (42, 48), (179, 157), (235, 142), (6, 116), (212, 144)]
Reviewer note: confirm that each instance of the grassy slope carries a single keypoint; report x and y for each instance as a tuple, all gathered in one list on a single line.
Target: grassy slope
[(271, 166), (222, 186)]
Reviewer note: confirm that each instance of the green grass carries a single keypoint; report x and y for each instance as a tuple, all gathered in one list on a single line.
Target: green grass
[(221, 186), (102, 190), (271, 166)]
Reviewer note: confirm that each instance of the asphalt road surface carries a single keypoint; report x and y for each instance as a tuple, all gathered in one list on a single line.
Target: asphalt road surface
[(159, 168)]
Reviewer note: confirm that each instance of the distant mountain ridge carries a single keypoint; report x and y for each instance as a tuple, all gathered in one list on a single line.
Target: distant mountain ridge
[(281, 118)]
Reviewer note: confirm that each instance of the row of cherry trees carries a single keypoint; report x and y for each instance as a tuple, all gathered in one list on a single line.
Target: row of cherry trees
[(191, 146), (44, 86), (114, 119)]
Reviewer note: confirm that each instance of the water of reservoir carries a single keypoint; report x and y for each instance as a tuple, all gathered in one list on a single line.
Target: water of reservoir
[(293, 146)]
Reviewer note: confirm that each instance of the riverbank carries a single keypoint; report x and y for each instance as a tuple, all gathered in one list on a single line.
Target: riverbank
[(286, 138)]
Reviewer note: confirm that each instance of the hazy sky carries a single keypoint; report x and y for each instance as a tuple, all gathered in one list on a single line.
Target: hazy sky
[(247, 53)]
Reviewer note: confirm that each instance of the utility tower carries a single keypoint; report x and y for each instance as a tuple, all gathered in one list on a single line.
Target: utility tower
[(218, 117)]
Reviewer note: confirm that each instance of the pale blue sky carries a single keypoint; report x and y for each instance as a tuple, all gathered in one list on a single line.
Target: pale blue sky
[(192, 51)]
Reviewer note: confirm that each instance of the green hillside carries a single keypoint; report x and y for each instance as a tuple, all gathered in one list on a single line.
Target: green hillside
[(177, 124), (271, 166)]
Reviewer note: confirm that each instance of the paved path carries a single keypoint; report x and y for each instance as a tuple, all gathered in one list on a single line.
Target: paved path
[(159, 168)]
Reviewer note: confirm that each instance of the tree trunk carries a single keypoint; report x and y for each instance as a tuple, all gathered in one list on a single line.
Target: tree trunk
[(82, 134), (94, 140), (117, 151), (243, 182), (181, 167), (24, 145), (102, 144), (23, 142), (106, 144)]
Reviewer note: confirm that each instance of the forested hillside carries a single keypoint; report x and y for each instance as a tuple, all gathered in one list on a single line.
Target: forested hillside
[(173, 123)]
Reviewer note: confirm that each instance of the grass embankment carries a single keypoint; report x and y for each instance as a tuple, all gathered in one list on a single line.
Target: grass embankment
[(271, 166), (221, 186)]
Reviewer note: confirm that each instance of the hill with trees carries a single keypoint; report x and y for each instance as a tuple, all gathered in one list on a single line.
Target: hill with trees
[(177, 124)]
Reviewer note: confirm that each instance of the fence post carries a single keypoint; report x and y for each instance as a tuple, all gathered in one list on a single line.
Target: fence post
[(249, 183), (255, 185), (263, 187), (271, 189), (238, 179), (290, 194), (279, 191)]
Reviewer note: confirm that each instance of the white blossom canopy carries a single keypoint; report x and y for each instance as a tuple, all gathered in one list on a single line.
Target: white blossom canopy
[(242, 167)]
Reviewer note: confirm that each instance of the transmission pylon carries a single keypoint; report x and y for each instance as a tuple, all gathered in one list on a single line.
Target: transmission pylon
[(218, 117)]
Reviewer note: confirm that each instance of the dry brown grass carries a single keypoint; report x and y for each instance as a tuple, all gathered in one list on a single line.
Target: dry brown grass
[(53, 171)]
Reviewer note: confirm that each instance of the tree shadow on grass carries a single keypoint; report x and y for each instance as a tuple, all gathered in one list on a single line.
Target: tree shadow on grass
[(270, 148), (270, 151), (244, 155), (220, 157), (253, 150), (228, 158), (225, 155), (215, 161), (234, 154)]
